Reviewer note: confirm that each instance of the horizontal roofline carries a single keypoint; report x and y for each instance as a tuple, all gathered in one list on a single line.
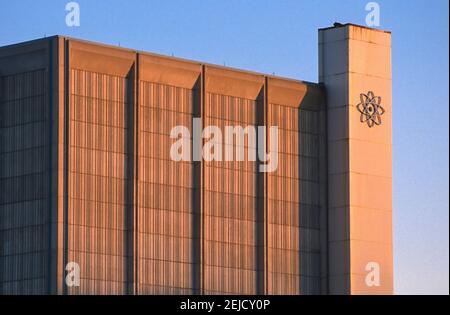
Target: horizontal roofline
[(162, 56), (356, 25)]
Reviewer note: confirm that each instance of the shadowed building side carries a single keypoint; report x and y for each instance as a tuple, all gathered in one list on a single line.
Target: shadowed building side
[(25, 169)]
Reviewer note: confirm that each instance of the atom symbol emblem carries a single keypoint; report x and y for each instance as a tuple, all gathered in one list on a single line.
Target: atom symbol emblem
[(370, 109)]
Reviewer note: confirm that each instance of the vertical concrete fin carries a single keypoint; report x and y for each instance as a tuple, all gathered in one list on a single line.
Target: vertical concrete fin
[(355, 67)]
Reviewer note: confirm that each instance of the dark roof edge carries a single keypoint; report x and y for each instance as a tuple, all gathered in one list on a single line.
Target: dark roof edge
[(356, 25), (30, 42)]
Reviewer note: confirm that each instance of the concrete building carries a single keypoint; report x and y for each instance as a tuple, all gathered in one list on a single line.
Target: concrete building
[(86, 174)]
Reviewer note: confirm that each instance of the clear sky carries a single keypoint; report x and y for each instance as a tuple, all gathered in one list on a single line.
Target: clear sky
[(281, 37)]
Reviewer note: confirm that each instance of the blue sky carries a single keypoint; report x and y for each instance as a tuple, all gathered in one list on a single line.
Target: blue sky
[(281, 37)]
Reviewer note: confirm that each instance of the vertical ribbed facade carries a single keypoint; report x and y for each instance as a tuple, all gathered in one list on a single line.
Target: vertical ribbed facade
[(309, 131), (165, 217), (96, 216), (230, 192), (283, 204), (294, 206), (24, 188)]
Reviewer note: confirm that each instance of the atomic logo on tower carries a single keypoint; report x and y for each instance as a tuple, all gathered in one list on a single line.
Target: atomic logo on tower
[(370, 109)]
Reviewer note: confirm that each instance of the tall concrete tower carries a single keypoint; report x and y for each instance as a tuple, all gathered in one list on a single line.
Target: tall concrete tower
[(355, 68)]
